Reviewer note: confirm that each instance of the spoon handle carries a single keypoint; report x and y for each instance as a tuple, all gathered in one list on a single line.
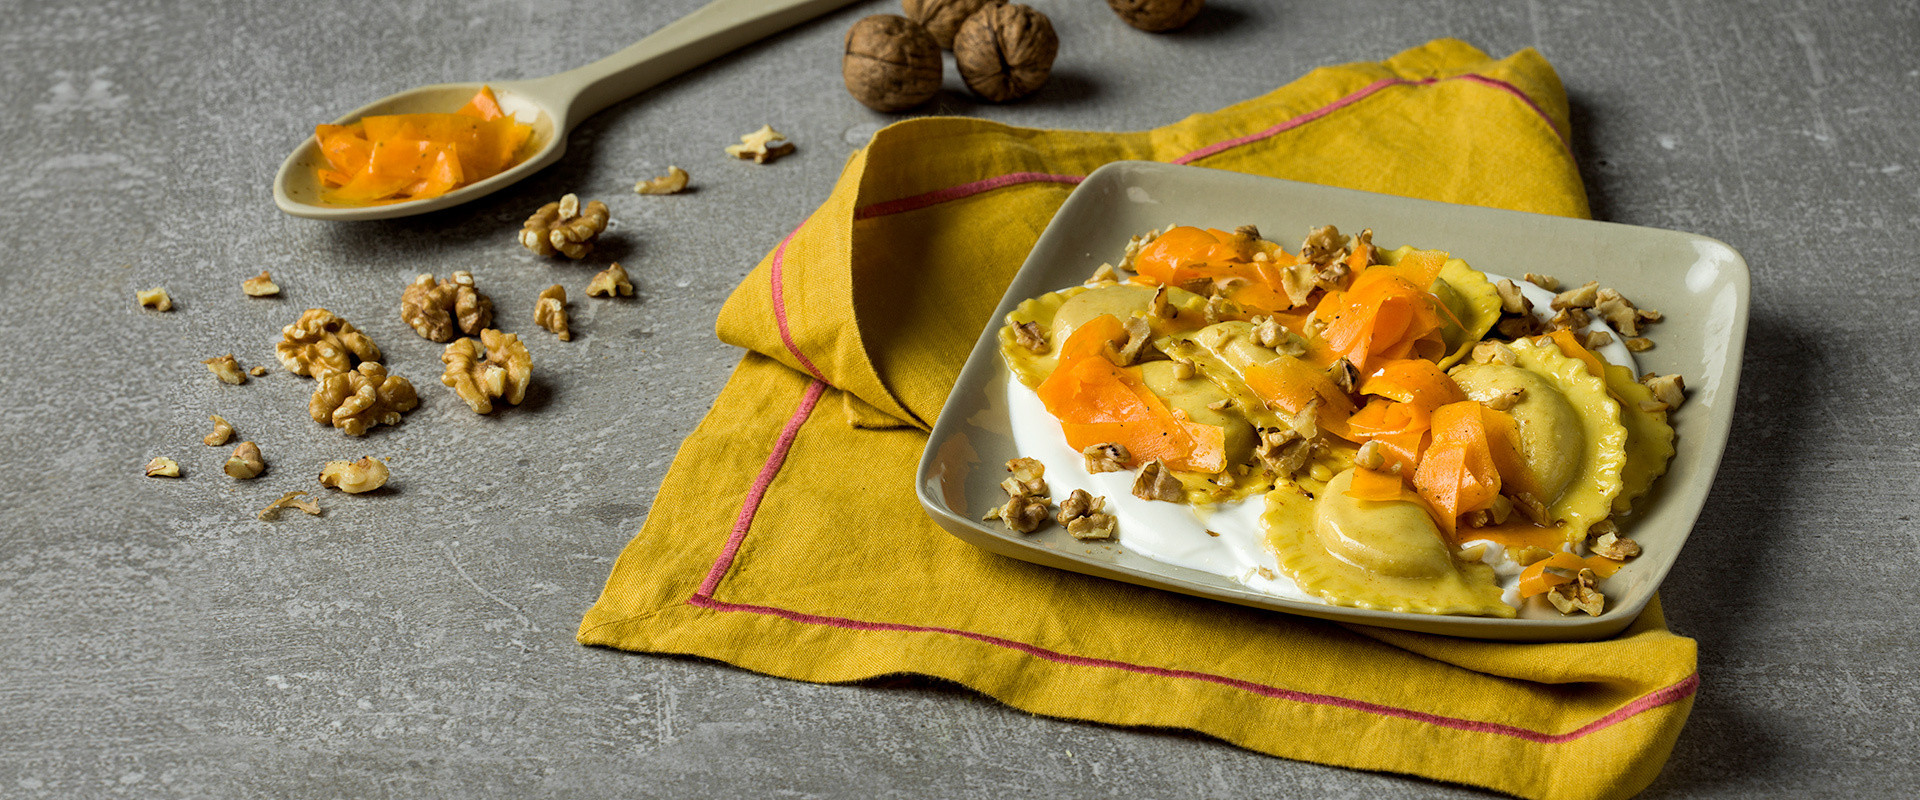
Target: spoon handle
[(714, 30)]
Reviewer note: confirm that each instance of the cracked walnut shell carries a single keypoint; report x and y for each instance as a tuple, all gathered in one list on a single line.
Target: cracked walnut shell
[(503, 373), (550, 312), (320, 343), (433, 308), (565, 227), (356, 400), (891, 63), (1005, 52)]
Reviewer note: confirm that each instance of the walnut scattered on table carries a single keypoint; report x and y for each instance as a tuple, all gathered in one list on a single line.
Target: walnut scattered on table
[(319, 343), (355, 477), (437, 310), (673, 182), (245, 463), (610, 282), (163, 467), (1156, 16), (226, 369), (761, 146), (1005, 51), (565, 227), (502, 371), (155, 298), (357, 400), (260, 285), (289, 500), (550, 312), (222, 431)]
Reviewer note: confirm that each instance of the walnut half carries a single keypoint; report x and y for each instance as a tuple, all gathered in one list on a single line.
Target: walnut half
[(432, 308), (503, 371), (356, 400), (319, 343), (245, 463), (610, 282), (565, 227)]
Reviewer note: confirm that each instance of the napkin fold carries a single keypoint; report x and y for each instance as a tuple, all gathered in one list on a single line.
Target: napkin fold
[(786, 537)]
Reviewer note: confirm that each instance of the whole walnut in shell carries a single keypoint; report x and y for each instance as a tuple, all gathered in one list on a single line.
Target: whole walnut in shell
[(891, 63), (1155, 16), (943, 18), (1005, 52)]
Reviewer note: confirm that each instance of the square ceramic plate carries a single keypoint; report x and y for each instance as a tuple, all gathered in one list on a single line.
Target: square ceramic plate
[(1698, 283)]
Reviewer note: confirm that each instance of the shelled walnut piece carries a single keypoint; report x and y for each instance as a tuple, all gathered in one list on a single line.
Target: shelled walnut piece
[(1026, 507), (439, 309), (358, 399), (565, 227), (246, 462), (502, 373), (671, 183), (289, 500), (355, 477), (610, 282), (222, 431), (260, 285), (155, 298), (550, 312), (163, 467), (320, 343), (1085, 517), (761, 146), (226, 369)]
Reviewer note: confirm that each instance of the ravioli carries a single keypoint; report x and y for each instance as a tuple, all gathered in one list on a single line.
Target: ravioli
[(1570, 430), (1382, 555), (1649, 438), (1469, 297)]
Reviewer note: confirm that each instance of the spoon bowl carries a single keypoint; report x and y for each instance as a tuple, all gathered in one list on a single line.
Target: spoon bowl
[(553, 105)]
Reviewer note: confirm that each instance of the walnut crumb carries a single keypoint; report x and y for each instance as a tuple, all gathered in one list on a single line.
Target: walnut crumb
[(610, 282), (1610, 546), (226, 369), (1546, 282), (1027, 335), (671, 183), (1085, 517), (1156, 482), (1595, 340), (1639, 344), (1668, 389), (1138, 347), (1028, 477), (1506, 400), (1369, 456), (257, 371), (1583, 296), (1107, 457), (222, 431), (565, 227), (1026, 507), (1579, 594), (1530, 555), (289, 500), (1512, 300), (355, 477), (550, 312), (1494, 353), (1103, 275), (155, 298), (163, 467), (245, 463), (1621, 313), (260, 285), (761, 146)]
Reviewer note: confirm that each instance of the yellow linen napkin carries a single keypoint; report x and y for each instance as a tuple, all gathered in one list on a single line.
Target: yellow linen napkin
[(786, 538)]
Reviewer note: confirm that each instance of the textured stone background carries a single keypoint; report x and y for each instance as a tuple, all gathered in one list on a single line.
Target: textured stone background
[(156, 641)]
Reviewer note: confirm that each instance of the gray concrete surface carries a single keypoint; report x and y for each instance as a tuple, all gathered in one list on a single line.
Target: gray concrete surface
[(156, 641)]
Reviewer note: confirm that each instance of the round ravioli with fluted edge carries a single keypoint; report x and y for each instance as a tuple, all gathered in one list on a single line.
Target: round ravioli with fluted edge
[(1381, 555), (1470, 298), (1649, 438), (1570, 430)]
